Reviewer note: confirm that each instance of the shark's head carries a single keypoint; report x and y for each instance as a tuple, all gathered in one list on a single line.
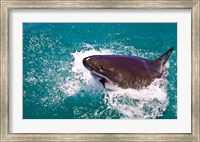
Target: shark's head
[(92, 63), (97, 63), (100, 68)]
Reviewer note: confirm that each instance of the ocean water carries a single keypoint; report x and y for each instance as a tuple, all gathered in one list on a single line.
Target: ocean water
[(57, 86)]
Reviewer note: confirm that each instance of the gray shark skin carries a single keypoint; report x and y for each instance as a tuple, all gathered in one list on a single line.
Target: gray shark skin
[(125, 71)]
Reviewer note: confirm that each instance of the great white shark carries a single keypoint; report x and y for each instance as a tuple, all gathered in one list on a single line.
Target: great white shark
[(125, 71)]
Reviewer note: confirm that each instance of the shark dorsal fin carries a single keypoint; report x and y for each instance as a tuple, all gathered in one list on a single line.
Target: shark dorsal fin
[(164, 57)]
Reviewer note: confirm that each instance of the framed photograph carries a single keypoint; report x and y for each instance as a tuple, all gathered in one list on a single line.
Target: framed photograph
[(100, 71)]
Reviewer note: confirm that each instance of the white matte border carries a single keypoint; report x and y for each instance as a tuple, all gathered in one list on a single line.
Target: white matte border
[(180, 125)]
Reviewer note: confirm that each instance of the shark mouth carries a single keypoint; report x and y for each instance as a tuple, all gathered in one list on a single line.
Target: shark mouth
[(104, 80)]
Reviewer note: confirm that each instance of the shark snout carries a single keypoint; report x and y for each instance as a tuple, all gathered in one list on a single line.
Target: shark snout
[(92, 62), (86, 63)]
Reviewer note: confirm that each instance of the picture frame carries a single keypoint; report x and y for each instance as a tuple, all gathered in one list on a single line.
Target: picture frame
[(6, 6)]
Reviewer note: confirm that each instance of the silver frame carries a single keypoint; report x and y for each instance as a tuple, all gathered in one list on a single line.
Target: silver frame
[(6, 5)]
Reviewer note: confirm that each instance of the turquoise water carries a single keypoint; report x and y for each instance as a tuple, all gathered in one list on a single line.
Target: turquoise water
[(57, 86)]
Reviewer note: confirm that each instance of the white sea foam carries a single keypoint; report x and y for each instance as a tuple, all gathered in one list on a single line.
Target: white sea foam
[(71, 87), (149, 102)]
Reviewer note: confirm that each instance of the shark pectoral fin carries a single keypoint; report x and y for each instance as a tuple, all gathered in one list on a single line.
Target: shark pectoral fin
[(103, 81)]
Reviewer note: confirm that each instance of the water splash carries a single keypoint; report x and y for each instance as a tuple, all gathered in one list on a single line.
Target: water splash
[(80, 77), (149, 102)]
